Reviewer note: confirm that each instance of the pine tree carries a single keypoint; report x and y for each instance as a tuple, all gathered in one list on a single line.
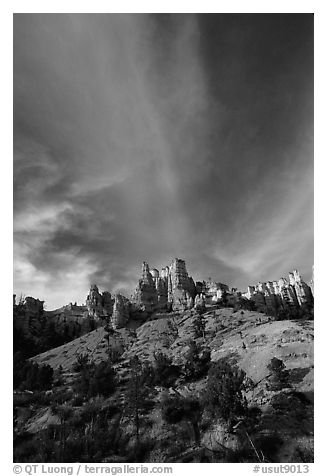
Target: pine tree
[(138, 393), (223, 393), (199, 326), (177, 408)]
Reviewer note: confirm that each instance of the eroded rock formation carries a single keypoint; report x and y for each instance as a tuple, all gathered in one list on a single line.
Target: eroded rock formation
[(282, 294), (99, 305), (172, 289), (200, 302), (146, 294), (29, 315), (181, 286), (121, 311), (211, 290)]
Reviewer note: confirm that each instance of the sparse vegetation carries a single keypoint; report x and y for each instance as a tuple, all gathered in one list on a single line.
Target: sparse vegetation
[(279, 376), (199, 326), (197, 361), (295, 313), (177, 408), (244, 304), (95, 379), (81, 363), (31, 376), (169, 402), (137, 398), (223, 393), (165, 372)]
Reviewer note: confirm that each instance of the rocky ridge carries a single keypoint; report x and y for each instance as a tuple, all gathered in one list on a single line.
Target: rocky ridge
[(170, 290)]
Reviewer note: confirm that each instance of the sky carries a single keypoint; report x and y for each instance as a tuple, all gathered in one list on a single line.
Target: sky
[(142, 137)]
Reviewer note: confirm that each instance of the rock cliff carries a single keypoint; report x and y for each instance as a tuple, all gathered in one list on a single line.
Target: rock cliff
[(282, 294), (173, 289), (29, 316), (99, 305), (121, 311)]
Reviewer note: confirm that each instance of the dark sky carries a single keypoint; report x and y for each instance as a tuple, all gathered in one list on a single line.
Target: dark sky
[(147, 137)]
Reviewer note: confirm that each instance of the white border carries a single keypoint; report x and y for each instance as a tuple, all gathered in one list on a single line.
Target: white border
[(319, 9)]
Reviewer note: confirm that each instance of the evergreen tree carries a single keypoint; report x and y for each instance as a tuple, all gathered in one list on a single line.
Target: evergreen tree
[(279, 376), (197, 361), (36, 377), (199, 326), (103, 381), (177, 408), (138, 393), (81, 362), (223, 393), (224, 299), (165, 372)]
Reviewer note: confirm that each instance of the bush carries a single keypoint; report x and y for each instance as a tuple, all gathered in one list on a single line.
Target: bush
[(61, 395), (34, 377), (244, 304), (25, 451), (23, 345), (177, 408), (114, 355), (279, 376), (223, 393), (137, 397), (296, 313), (269, 445), (276, 365), (103, 381), (95, 379), (197, 361), (81, 362), (140, 451), (165, 372), (199, 325), (51, 338)]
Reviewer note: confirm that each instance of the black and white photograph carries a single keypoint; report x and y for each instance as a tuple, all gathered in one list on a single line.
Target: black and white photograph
[(163, 239)]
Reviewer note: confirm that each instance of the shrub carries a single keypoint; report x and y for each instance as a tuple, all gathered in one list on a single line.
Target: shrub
[(26, 451), (197, 361), (223, 393), (244, 304), (177, 408), (279, 376), (165, 372), (296, 313), (276, 365), (103, 381), (137, 398), (114, 355), (97, 379), (35, 377), (82, 361), (199, 325)]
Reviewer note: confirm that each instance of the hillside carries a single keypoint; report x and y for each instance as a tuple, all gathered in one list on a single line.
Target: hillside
[(247, 339), (226, 331)]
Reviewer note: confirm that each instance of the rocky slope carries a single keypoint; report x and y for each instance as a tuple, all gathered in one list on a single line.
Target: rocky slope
[(226, 331), (248, 339)]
